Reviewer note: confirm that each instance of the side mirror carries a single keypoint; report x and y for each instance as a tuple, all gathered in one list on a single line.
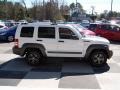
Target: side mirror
[(118, 29), (75, 37)]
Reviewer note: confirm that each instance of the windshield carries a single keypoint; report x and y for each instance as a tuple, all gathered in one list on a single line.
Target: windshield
[(79, 28)]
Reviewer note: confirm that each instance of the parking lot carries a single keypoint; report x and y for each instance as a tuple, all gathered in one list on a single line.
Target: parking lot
[(68, 73)]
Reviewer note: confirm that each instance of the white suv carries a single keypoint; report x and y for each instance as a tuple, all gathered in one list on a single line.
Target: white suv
[(35, 41)]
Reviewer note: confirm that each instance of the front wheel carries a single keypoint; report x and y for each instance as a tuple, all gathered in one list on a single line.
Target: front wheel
[(34, 57), (98, 58)]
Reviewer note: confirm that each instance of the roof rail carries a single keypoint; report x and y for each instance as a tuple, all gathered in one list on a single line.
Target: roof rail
[(40, 23), (53, 23)]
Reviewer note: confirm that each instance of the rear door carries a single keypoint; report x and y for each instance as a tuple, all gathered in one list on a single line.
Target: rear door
[(111, 32), (47, 37), (107, 31)]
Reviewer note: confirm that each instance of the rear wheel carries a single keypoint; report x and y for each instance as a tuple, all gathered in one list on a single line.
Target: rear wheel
[(98, 58), (34, 57)]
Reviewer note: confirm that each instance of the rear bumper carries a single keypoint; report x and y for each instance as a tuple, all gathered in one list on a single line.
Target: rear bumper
[(18, 51)]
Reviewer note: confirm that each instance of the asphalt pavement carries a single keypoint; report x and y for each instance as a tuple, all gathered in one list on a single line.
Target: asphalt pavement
[(58, 73)]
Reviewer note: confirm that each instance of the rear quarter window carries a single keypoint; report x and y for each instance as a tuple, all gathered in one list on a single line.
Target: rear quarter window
[(27, 32)]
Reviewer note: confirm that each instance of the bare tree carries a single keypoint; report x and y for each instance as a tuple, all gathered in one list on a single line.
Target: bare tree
[(34, 9), (49, 10), (25, 6)]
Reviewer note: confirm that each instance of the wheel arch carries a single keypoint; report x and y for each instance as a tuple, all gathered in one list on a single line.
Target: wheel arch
[(27, 46), (96, 47)]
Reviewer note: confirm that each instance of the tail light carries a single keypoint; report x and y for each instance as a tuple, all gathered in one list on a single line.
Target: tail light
[(16, 43)]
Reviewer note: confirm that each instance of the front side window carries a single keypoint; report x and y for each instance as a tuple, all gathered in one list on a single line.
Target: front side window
[(27, 32), (65, 33), (46, 32)]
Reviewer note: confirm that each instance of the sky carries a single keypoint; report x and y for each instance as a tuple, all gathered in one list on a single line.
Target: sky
[(100, 5)]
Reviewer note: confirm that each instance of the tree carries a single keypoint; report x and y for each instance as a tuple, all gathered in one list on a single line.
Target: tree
[(20, 14), (80, 8), (40, 10), (72, 7), (64, 9), (76, 8), (46, 10), (109, 15), (18, 10), (10, 10), (25, 6)]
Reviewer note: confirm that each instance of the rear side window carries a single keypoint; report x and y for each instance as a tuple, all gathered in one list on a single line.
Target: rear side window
[(105, 27), (46, 32), (27, 32)]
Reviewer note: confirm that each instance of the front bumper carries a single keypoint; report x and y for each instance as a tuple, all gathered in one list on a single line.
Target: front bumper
[(110, 54)]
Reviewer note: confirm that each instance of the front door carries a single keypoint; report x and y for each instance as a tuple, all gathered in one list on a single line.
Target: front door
[(69, 44)]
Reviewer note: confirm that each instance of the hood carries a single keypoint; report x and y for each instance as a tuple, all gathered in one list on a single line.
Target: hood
[(8, 30), (88, 32), (96, 39)]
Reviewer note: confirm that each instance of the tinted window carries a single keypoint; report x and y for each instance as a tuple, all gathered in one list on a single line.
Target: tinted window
[(27, 32), (46, 32), (104, 27), (65, 33), (92, 26), (110, 27)]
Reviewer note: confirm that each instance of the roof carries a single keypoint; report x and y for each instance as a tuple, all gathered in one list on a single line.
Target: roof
[(44, 24), (105, 24)]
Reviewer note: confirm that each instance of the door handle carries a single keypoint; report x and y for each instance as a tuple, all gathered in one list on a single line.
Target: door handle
[(60, 41), (39, 40)]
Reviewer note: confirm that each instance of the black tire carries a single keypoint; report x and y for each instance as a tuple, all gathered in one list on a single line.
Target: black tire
[(34, 57), (10, 38), (98, 59)]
